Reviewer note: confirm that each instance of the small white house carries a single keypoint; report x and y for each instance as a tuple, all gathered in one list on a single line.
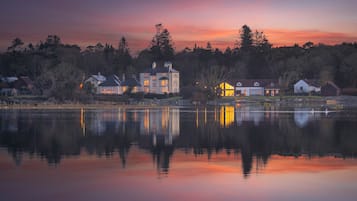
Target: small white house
[(96, 80), (249, 88), (306, 86), (110, 86), (160, 80)]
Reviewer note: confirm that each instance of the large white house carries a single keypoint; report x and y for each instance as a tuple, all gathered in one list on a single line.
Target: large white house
[(306, 86), (160, 80)]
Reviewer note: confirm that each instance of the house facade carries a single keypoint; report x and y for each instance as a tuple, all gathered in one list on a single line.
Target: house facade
[(111, 86), (249, 87), (160, 80), (130, 84), (306, 86), (95, 81), (330, 89)]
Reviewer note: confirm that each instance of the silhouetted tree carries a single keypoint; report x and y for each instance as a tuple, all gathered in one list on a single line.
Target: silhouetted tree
[(162, 45)]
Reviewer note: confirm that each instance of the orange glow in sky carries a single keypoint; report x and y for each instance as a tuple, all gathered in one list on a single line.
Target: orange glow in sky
[(190, 22)]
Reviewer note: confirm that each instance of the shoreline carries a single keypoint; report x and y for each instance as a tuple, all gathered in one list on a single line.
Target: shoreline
[(333, 102)]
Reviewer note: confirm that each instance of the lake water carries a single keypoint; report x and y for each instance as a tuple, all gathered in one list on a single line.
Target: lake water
[(222, 153)]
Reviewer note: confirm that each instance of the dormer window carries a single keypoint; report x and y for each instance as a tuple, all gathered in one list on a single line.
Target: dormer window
[(239, 84), (256, 84)]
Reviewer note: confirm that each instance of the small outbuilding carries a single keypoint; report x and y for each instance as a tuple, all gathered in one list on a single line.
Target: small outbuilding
[(330, 89)]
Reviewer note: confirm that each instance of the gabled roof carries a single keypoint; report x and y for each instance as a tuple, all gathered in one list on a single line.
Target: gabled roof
[(155, 70), (131, 82), (164, 78), (26, 79), (332, 84), (312, 82), (99, 77), (112, 81), (160, 70), (254, 83)]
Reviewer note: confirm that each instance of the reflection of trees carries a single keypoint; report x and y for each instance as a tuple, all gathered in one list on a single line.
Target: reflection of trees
[(54, 135)]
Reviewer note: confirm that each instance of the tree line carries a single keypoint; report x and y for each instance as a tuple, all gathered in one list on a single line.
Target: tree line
[(59, 68)]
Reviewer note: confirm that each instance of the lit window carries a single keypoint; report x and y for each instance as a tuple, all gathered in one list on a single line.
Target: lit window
[(256, 84), (146, 83), (239, 84), (163, 83)]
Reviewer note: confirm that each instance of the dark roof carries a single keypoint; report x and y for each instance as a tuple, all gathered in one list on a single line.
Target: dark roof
[(312, 83), (251, 83), (131, 82), (112, 81), (26, 79), (332, 84), (153, 71), (164, 78)]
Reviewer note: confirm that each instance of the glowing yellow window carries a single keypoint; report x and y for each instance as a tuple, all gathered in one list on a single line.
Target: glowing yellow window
[(226, 89), (146, 83), (163, 83)]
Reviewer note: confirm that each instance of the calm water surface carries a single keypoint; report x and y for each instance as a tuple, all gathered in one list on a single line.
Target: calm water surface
[(223, 153)]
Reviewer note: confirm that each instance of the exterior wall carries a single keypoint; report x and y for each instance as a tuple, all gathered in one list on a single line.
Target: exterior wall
[(302, 87), (110, 90), (174, 82), (153, 84), (272, 92), (250, 91), (330, 90)]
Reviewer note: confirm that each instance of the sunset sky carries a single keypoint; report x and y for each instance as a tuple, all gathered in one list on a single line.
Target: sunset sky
[(86, 22)]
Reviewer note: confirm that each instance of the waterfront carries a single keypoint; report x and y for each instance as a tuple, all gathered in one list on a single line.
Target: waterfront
[(170, 153)]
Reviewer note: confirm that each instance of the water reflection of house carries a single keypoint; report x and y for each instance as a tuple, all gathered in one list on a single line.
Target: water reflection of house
[(302, 116), (99, 122), (248, 113), (161, 123), (249, 87)]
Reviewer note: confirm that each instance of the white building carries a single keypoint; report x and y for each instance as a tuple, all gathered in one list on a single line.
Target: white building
[(160, 80), (306, 86), (95, 80), (110, 86), (113, 85)]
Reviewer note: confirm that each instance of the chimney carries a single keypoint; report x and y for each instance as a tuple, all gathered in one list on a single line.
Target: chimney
[(153, 65), (168, 65)]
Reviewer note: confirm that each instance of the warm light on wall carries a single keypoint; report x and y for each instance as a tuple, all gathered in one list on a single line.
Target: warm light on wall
[(146, 83), (163, 83), (227, 89)]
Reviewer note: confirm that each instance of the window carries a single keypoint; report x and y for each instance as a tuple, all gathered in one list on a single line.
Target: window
[(146, 83), (163, 83), (239, 84), (256, 84)]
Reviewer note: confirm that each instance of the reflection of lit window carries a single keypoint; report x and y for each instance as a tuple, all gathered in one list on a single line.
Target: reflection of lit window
[(226, 116), (163, 83), (267, 92), (276, 91), (124, 88), (146, 83)]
